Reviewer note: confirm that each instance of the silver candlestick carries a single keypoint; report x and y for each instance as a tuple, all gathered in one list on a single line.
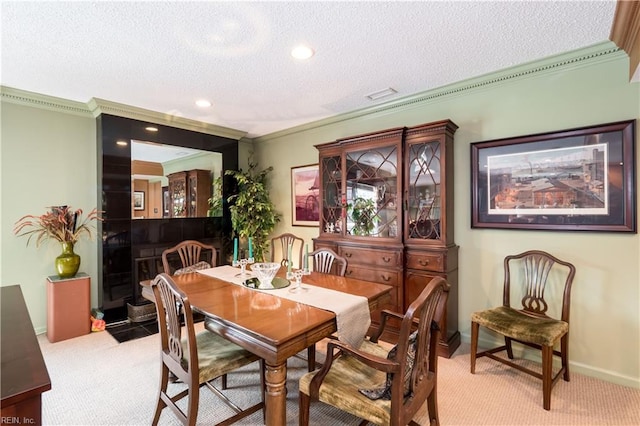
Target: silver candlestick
[(297, 288), (243, 267)]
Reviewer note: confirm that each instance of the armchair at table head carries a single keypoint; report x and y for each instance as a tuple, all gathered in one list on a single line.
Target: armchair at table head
[(188, 256), (194, 359), (538, 274), (382, 386), (280, 249)]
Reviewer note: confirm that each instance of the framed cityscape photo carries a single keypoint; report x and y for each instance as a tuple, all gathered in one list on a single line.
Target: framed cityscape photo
[(574, 180)]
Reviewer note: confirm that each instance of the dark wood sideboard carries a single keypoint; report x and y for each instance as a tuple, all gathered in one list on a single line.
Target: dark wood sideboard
[(24, 373)]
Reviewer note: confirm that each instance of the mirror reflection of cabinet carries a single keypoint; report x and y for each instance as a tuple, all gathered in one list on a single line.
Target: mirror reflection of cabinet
[(386, 203), (189, 193)]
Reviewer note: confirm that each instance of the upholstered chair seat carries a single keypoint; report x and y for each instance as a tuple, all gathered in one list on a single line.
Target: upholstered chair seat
[(347, 376), (217, 356), (519, 326)]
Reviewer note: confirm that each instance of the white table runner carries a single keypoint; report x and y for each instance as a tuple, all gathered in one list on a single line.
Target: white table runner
[(352, 312)]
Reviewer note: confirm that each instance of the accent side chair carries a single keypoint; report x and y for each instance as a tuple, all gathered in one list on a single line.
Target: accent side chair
[(530, 325)]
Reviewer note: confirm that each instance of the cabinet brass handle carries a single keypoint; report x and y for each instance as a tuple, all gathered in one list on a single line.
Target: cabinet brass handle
[(386, 259), (386, 278), (423, 262), (347, 254)]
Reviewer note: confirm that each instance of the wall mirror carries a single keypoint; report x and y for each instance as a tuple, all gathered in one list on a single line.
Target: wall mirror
[(173, 181)]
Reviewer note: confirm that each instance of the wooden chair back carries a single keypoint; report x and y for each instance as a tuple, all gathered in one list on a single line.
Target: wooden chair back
[(327, 261), (190, 253), (534, 267), (424, 316), (280, 249)]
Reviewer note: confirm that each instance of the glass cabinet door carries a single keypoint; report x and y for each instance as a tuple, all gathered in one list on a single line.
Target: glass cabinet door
[(371, 197), (193, 195), (332, 202), (424, 191), (178, 195)]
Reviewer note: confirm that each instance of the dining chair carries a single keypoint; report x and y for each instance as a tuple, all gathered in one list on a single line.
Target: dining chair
[(194, 359), (378, 385), (191, 254), (531, 325), (280, 249), (328, 261)]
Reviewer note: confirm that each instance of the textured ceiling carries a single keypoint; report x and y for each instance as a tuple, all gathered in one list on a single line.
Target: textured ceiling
[(162, 56)]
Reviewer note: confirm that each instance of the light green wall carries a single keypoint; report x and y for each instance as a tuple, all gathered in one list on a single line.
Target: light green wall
[(48, 158), (555, 94)]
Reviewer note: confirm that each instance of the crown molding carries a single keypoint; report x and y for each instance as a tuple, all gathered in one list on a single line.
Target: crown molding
[(601, 52), (37, 100), (99, 106), (96, 106), (625, 32)]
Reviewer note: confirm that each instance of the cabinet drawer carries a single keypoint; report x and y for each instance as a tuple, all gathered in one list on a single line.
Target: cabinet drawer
[(426, 261), (371, 257), (382, 276)]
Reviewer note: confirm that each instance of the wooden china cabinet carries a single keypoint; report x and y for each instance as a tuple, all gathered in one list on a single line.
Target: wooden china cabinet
[(189, 193), (386, 203)]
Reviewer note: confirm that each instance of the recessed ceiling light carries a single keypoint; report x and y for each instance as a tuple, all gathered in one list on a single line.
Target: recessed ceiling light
[(302, 52), (151, 129), (121, 143), (381, 94), (203, 103)]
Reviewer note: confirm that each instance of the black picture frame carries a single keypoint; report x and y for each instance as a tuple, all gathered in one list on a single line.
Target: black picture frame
[(579, 179)]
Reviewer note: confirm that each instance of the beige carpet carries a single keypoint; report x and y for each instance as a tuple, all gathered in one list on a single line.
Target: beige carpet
[(97, 381)]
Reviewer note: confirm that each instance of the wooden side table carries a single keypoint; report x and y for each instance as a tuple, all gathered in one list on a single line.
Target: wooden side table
[(68, 307)]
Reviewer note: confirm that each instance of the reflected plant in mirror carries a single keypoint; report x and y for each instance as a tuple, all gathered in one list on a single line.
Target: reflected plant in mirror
[(215, 202)]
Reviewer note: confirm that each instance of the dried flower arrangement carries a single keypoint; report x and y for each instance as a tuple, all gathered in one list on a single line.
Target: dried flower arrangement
[(60, 223)]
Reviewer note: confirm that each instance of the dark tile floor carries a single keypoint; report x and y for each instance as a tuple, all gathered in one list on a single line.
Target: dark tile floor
[(133, 330)]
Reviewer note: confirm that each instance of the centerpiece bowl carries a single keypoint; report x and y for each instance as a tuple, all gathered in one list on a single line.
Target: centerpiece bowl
[(265, 272)]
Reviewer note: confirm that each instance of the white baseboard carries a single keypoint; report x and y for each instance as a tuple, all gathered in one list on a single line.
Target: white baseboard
[(577, 367)]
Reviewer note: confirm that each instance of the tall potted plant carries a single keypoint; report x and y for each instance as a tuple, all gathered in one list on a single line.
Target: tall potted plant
[(62, 224), (253, 213)]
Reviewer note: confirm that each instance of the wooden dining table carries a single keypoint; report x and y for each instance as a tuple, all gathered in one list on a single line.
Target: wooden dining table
[(272, 327)]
